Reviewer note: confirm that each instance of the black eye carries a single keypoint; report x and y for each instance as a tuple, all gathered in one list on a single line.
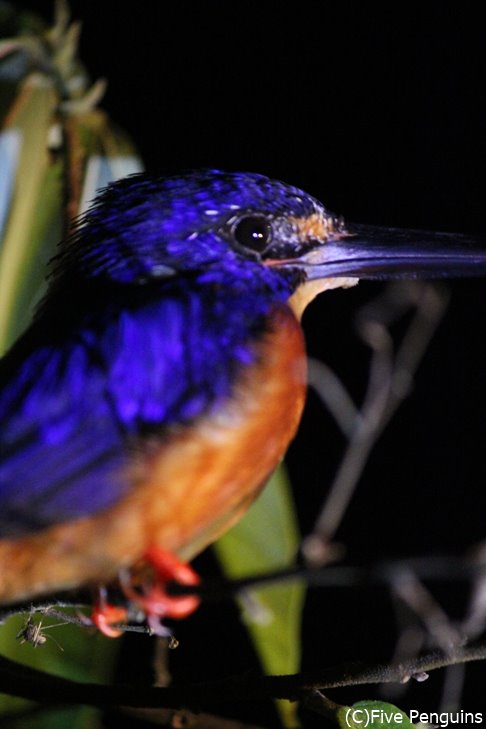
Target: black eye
[(253, 232)]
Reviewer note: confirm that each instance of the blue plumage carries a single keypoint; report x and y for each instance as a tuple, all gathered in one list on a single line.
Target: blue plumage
[(151, 313), (142, 227), (169, 290)]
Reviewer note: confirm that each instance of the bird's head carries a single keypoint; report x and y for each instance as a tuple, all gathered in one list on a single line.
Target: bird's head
[(245, 229)]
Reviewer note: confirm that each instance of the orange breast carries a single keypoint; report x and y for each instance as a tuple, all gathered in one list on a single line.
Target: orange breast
[(187, 490)]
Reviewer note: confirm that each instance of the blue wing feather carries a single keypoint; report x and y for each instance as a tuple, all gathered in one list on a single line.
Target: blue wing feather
[(151, 311), (75, 407), (61, 449)]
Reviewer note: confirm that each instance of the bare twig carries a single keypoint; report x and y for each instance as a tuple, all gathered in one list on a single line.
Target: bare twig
[(474, 622), (389, 383), (19, 680), (438, 568), (454, 678), (183, 719), (409, 588), (333, 394), (318, 703), (55, 608)]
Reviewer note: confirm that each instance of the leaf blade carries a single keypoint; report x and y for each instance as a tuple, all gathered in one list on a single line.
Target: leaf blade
[(265, 540)]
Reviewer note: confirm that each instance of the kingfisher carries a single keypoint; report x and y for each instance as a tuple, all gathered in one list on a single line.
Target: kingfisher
[(164, 376)]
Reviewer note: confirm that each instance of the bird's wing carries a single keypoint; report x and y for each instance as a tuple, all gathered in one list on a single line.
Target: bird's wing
[(61, 450), (74, 409)]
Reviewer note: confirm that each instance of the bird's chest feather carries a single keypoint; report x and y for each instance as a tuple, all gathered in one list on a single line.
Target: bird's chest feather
[(188, 485), (207, 475)]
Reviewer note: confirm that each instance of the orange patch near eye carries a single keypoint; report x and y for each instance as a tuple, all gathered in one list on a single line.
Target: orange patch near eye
[(318, 227)]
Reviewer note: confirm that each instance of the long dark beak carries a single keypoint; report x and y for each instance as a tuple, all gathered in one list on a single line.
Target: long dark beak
[(369, 252)]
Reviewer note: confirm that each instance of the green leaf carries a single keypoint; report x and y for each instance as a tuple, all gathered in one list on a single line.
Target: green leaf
[(53, 157), (68, 652), (33, 218), (265, 540), (372, 715)]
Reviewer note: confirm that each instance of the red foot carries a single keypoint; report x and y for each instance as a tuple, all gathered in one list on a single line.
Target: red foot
[(104, 615), (155, 601)]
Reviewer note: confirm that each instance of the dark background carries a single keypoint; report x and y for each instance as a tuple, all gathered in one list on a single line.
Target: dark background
[(379, 111)]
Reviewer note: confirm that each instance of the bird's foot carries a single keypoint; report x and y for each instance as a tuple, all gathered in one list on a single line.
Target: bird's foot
[(150, 597), (153, 598), (105, 615)]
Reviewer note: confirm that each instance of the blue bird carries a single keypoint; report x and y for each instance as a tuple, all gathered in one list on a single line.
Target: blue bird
[(164, 376)]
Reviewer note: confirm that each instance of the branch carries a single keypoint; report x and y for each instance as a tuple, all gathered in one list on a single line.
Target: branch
[(28, 683), (171, 718), (444, 568), (389, 383)]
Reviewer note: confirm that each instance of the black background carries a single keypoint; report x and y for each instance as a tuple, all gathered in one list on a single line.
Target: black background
[(379, 111)]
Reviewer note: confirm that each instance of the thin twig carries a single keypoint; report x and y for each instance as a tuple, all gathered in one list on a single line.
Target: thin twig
[(474, 622), (409, 588), (420, 600), (437, 568), (389, 383), (318, 703), (454, 679), (172, 718), (19, 680), (333, 394)]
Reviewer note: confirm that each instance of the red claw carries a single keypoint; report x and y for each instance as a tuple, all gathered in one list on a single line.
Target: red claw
[(155, 601), (170, 569), (105, 615)]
